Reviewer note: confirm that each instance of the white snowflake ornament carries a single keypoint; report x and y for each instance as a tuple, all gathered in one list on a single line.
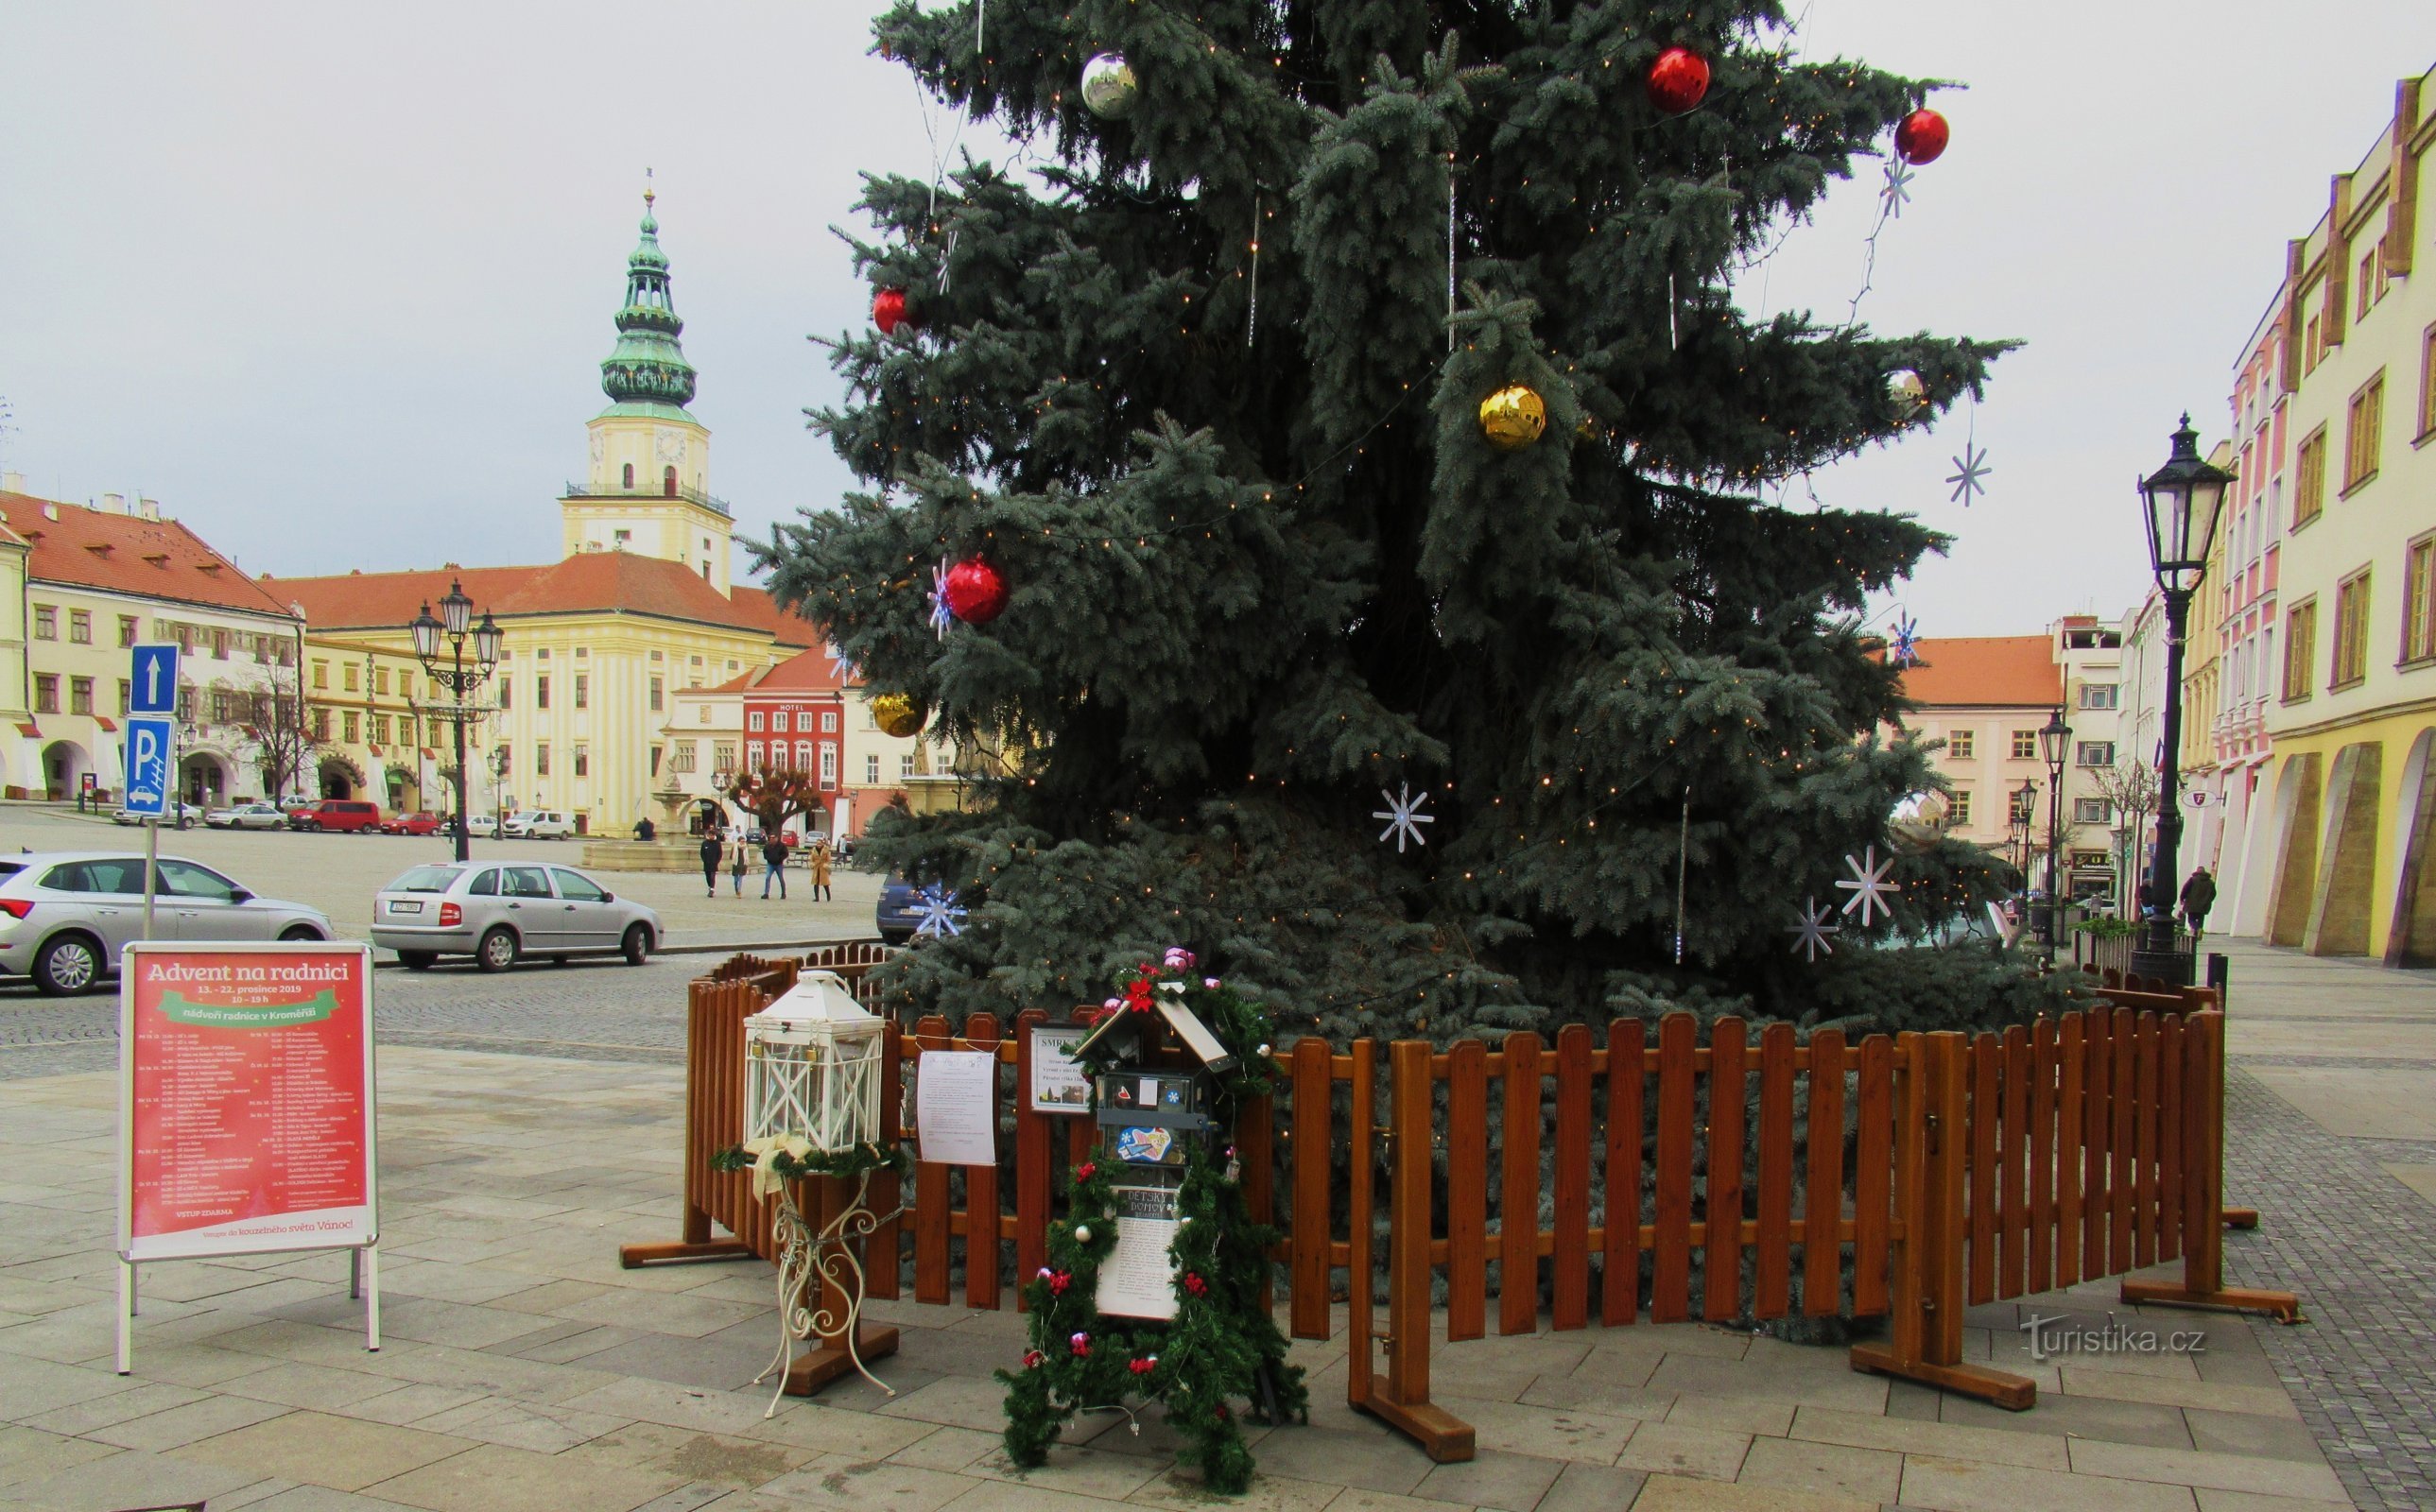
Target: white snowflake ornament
[(1814, 929), (1868, 885), (1403, 815), (941, 915)]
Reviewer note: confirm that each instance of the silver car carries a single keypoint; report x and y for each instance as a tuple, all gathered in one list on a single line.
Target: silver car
[(498, 911), (65, 916), (248, 816)]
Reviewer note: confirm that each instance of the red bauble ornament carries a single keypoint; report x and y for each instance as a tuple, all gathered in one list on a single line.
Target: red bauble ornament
[(888, 312), (1058, 1282), (976, 591), (1678, 80), (1031, 1359), (1141, 1367), (1921, 136)]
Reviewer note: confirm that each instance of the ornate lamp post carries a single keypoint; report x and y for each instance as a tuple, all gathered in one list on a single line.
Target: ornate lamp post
[(457, 612), (2026, 805), (2055, 743), (2182, 501)]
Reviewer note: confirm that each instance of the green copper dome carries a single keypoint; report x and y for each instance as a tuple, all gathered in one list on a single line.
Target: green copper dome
[(647, 366)]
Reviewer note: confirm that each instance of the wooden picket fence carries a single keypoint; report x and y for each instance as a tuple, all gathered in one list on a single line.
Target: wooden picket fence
[(1908, 1177)]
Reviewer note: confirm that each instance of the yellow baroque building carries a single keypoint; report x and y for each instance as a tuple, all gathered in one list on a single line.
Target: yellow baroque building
[(640, 608)]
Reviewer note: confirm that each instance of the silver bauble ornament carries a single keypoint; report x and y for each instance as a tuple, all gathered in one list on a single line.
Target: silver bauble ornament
[(1109, 87), (1082, 1233), (1907, 392), (1919, 821)]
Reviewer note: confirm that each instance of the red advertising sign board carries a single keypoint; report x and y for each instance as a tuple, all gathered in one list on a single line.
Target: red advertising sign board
[(246, 1100)]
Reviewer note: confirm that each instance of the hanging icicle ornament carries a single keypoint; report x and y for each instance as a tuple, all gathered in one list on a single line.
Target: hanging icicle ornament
[(1513, 417), (1872, 892), (1921, 139), (1403, 815), (1810, 934), (1678, 80), (975, 591), (1252, 319), (1109, 88)]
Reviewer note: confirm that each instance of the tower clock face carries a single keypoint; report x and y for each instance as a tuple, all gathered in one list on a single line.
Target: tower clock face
[(671, 447), (599, 446)]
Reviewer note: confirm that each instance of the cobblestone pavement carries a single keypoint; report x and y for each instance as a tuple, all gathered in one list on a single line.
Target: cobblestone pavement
[(2323, 1140)]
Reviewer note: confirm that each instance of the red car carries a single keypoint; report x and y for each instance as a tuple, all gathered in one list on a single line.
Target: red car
[(341, 814), (414, 823)]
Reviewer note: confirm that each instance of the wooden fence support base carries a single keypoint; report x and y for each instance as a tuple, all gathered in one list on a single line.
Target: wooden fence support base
[(678, 1251), (2000, 1387), (815, 1368), (2241, 1218), (2284, 1306), (1443, 1436)]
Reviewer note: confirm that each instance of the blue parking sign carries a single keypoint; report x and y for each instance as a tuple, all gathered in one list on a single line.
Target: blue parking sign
[(147, 767), (154, 688)]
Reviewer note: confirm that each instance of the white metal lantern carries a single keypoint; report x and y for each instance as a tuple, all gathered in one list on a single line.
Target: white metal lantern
[(812, 1067)]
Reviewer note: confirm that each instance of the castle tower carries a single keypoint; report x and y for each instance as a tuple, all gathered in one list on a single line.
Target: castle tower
[(647, 489)]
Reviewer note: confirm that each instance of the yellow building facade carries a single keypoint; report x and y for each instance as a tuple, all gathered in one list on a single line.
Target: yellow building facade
[(2352, 813)]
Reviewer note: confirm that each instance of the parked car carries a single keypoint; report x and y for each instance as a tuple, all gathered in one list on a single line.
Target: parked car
[(341, 814), (178, 814), (498, 912), (65, 916), (289, 805), (247, 816), (414, 823), (537, 824), (900, 908)]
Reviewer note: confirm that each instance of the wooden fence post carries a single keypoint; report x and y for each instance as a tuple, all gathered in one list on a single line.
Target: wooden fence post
[(2202, 1194), (1404, 1402), (1932, 1144)]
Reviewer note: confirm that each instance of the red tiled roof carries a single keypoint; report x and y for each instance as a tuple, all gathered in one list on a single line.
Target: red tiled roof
[(126, 553), (809, 671), (594, 582), (1985, 672)]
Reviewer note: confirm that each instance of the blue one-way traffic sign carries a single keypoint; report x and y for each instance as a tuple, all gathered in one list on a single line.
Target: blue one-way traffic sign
[(147, 766), (155, 682)]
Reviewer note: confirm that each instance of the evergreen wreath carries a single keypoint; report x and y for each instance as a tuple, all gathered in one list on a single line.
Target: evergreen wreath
[(1222, 1347)]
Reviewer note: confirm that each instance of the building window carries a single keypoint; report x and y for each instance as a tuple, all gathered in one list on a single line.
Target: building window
[(2363, 433), (320, 724), (541, 692), (829, 722), (656, 695), (79, 695), (2091, 812), (753, 722), (2310, 495), (47, 693), (626, 479), (542, 655), (80, 627), (2300, 649), (583, 761), (681, 755), (347, 676), (584, 690), (2350, 662), (871, 771), (2094, 754), (219, 645), (778, 721), (321, 674), (904, 767), (380, 681), (2418, 606), (704, 709), (507, 692), (1959, 744), (380, 729), (2427, 384), (1959, 811), (126, 696), (723, 756), (127, 622), (47, 622), (2026, 745), (541, 759), (2097, 695), (350, 727), (757, 756)]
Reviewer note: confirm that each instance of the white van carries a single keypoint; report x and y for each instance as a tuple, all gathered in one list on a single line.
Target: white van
[(538, 823)]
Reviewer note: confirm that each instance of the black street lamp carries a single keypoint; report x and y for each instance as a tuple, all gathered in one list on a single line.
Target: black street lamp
[(2183, 500), (2026, 805), (2055, 743), (456, 613)]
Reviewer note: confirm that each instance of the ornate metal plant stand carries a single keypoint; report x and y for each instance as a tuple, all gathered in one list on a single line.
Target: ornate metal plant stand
[(828, 1259)]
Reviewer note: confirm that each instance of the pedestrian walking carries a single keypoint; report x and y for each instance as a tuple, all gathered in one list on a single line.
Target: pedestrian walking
[(774, 855), (2198, 896), (711, 850), (817, 860), (737, 864)]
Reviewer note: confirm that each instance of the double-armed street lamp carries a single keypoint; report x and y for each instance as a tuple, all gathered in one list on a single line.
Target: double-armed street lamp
[(2055, 743), (2181, 501), (455, 626), (2017, 823)]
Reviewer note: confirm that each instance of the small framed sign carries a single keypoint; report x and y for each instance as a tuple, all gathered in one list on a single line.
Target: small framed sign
[(1058, 1085)]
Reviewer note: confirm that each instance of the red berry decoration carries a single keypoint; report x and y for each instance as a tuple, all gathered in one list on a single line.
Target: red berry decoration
[(1921, 136), (1058, 1282), (1081, 1344), (1678, 80), (1085, 1170), (1194, 1284), (976, 591), (888, 312), (1141, 1367)]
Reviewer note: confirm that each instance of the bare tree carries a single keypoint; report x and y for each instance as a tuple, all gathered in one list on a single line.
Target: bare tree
[(283, 731), (2131, 788), (777, 794)]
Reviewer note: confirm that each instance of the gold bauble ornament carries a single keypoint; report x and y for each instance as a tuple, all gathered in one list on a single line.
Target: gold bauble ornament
[(897, 714), (1513, 417)]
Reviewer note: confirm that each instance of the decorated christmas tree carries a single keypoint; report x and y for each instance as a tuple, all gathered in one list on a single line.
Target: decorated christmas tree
[(1327, 466)]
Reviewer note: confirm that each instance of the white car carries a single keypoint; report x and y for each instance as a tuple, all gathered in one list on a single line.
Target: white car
[(537, 824), (248, 816), (179, 815)]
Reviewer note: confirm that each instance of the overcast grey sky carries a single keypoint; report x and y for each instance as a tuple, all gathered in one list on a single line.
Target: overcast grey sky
[(333, 283)]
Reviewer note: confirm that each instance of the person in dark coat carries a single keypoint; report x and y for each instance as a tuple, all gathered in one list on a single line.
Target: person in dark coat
[(774, 855), (710, 854), (2198, 896)]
